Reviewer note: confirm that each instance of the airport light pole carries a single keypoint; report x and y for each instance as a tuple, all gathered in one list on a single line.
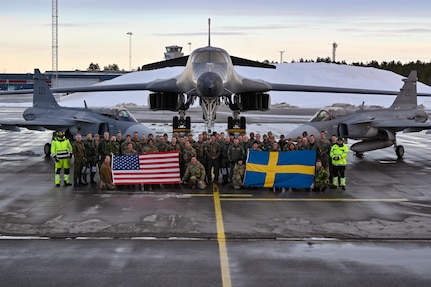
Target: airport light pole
[(190, 47), (130, 50)]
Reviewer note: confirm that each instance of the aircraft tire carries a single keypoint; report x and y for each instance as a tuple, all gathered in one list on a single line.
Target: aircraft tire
[(175, 122), (47, 149), (230, 123), (188, 123), (399, 150), (242, 123)]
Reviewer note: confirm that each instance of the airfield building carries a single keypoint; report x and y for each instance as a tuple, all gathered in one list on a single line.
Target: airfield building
[(65, 79)]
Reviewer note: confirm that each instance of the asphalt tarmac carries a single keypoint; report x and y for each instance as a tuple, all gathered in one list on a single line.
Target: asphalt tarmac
[(376, 233)]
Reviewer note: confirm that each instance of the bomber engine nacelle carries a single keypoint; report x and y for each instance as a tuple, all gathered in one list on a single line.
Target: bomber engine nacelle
[(164, 101), (253, 102)]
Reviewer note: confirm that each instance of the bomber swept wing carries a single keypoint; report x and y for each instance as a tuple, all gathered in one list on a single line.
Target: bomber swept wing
[(375, 129)]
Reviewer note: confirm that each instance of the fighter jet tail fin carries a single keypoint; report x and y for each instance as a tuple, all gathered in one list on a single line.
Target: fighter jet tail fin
[(42, 95), (407, 97)]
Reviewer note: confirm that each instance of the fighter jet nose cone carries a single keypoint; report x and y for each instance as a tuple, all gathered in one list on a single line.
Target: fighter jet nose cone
[(209, 85)]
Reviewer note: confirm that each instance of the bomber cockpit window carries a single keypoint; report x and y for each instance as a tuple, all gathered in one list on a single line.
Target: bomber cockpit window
[(321, 116), (212, 57), (125, 115)]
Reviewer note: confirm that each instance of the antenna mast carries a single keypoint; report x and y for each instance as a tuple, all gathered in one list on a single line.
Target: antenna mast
[(209, 32), (281, 56), (334, 48), (54, 78)]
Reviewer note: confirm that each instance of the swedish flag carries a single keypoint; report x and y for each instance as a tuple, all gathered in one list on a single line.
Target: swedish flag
[(280, 169)]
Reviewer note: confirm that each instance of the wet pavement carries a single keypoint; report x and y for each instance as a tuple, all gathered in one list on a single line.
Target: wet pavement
[(377, 232)]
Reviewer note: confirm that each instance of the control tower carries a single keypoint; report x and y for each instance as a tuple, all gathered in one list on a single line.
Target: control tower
[(173, 51)]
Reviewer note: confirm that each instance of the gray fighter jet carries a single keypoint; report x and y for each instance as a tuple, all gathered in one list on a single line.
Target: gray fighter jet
[(375, 129), (47, 114)]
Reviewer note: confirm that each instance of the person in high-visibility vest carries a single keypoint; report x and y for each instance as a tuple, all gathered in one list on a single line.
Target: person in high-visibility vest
[(339, 161), (61, 152)]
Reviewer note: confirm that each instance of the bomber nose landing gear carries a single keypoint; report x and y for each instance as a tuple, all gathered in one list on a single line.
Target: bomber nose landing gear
[(236, 124), (181, 124)]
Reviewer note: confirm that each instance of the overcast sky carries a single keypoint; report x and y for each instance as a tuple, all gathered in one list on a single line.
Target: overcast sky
[(95, 30)]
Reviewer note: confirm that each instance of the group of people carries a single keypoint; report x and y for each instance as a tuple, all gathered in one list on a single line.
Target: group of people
[(211, 158), (90, 156)]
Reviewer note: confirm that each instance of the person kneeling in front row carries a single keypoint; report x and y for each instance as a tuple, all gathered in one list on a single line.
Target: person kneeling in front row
[(106, 174), (195, 174)]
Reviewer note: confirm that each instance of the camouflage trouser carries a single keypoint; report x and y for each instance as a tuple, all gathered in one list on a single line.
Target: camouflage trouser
[(77, 169), (200, 183), (237, 182)]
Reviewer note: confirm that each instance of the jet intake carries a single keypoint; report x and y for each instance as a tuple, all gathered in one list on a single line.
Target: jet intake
[(368, 145), (164, 101), (209, 84), (254, 102)]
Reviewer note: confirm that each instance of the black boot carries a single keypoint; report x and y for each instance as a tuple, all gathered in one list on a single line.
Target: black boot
[(84, 180), (76, 183), (224, 180), (92, 178)]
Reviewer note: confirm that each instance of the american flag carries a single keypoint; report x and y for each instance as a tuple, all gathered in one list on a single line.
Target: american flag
[(150, 168)]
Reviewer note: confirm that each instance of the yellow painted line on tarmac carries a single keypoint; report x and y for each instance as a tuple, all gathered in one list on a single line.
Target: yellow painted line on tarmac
[(221, 239), (321, 199), (221, 195)]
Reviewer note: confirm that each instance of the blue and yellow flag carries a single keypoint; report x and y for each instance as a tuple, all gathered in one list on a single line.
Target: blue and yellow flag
[(280, 168)]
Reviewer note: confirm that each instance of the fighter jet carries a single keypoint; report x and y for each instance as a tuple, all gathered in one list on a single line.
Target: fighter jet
[(47, 114), (375, 129)]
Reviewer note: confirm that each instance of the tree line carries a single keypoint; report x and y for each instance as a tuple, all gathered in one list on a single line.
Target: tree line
[(423, 68)]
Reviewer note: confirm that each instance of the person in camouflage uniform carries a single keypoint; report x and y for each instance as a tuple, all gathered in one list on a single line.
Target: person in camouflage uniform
[(150, 147), (79, 162), (234, 153), (238, 174), (225, 165), (130, 150), (321, 177), (126, 142), (186, 155), (213, 152), (114, 146), (199, 146), (91, 159), (195, 174)]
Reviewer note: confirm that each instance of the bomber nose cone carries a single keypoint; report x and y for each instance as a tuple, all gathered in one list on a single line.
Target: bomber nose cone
[(209, 85)]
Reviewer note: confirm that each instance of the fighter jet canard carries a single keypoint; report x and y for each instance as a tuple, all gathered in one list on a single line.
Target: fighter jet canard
[(374, 128), (210, 77), (47, 114)]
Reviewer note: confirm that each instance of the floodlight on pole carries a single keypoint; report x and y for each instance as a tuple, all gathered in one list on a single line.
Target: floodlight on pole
[(130, 50)]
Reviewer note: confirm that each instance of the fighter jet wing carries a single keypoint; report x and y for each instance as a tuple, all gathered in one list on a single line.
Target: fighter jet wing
[(402, 124), (39, 124), (50, 123)]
